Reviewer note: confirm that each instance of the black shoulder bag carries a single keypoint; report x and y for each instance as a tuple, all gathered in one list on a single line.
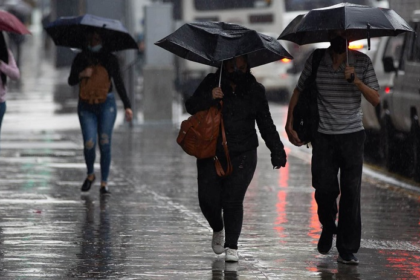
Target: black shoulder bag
[(305, 113)]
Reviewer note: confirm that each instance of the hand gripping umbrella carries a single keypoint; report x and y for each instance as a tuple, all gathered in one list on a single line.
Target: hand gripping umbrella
[(358, 22), (71, 31), (211, 43)]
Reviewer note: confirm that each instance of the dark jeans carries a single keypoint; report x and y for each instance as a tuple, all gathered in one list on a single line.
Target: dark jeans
[(332, 155), (2, 111), (217, 194), (98, 120)]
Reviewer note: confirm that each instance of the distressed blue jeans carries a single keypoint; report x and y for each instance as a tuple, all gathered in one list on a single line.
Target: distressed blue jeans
[(2, 112), (97, 121)]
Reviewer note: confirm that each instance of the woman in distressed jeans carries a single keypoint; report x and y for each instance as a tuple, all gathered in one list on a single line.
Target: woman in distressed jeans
[(97, 118)]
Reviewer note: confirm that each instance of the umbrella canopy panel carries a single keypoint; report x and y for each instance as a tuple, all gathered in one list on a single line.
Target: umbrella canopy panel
[(71, 32), (211, 43), (359, 22), (11, 23)]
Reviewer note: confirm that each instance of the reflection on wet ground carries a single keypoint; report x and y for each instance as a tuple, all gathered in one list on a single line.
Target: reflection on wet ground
[(151, 227)]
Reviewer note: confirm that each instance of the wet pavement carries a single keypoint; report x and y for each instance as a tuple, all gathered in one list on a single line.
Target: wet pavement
[(151, 226)]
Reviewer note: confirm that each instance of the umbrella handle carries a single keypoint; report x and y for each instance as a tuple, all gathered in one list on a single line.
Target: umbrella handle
[(351, 80), (220, 76)]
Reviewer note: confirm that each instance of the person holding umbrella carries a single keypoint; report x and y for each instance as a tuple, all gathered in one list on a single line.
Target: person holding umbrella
[(92, 70), (8, 69), (339, 141), (244, 104), (8, 66), (342, 79), (233, 49)]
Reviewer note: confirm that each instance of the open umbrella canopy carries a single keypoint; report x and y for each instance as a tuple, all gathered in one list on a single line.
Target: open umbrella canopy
[(210, 43), (11, 23), (359, 22), (71, 31)]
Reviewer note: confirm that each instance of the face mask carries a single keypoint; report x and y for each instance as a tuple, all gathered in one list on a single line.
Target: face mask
[(96, 48), (237, 76), (338, 44)]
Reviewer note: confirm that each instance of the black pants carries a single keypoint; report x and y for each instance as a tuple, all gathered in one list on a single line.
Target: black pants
[(217, 194), (332, 154)]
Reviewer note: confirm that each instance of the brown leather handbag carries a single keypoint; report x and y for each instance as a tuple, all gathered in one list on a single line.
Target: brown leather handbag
[(198, 137)]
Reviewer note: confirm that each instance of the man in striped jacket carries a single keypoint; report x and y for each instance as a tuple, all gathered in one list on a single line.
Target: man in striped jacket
[(338, 145)]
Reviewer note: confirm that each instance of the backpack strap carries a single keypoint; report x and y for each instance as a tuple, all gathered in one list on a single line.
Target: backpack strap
[(316, 60)]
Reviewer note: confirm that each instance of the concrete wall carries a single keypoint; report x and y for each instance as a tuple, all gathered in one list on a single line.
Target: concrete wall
[(404, 7), (60, 8)]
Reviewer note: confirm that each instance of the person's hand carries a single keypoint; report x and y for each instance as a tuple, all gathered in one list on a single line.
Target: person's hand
[(128, 114), (349, 74), (279, 160), (293, 136), (217, 93), (86, 73)]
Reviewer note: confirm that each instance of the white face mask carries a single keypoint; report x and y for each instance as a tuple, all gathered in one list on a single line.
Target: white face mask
[(96, 48)]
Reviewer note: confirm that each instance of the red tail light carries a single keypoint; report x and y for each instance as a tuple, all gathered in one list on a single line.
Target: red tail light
[(388, 90)]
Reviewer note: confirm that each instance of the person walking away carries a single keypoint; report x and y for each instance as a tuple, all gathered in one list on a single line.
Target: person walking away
[(8, 69), (92, 70), (244, 104), (338, 145)]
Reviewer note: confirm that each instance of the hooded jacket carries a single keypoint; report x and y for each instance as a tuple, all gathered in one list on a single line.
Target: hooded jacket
[(241, 109)]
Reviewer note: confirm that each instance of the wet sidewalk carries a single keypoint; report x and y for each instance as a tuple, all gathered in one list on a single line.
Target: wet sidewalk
[(151, 226)]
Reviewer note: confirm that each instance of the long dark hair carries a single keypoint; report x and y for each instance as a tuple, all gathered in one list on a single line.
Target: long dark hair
[(4, 56)]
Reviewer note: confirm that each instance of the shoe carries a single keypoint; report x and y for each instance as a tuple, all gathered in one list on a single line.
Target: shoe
[(217, 242), (347, 258), (231, 255), (87, 184), (104, 191), (325, 241)]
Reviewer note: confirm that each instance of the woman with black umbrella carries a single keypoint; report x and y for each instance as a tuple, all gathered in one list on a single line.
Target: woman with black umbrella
[(244, 104), (92, 70)]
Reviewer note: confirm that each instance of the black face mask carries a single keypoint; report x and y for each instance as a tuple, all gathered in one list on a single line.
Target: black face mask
[(339, 44), (237, 77)]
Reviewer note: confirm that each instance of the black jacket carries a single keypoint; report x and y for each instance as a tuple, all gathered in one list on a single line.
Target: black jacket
[(107, 60), (240, 112)]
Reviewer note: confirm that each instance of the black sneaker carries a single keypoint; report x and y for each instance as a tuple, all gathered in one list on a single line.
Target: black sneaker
[(104, 191), (347, 258), (325, 241), (87, 184)]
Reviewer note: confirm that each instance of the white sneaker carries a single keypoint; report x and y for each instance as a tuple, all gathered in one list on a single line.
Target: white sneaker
[(217, 242), (231, 255)]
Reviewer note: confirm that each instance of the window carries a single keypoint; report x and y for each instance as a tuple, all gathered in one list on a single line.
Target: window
[(206, 5), (413, 45), (305, 5)]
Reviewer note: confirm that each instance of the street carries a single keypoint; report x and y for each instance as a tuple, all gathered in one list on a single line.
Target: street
[(151, 226)]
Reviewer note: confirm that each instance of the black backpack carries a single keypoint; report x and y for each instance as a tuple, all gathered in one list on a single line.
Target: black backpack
[(305, 113)]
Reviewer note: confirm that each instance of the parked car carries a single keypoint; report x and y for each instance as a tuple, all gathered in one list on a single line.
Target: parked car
[(400, 122), (389, 47)]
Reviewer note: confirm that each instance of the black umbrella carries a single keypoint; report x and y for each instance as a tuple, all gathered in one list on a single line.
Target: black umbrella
[(71, 31), (359, 22), (210, 43)]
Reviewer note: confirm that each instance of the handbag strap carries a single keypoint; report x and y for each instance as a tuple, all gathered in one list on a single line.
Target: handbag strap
[(219, 169)]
